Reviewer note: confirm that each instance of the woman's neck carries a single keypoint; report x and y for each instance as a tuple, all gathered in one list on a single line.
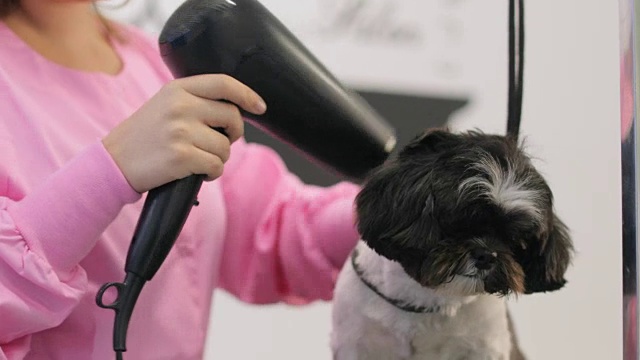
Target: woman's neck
[(67, 33)]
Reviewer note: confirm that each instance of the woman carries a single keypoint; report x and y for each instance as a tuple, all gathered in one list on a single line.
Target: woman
[(89, 121)]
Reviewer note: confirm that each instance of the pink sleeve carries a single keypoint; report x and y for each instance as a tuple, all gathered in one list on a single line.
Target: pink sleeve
[(285, 241), (44, 236)]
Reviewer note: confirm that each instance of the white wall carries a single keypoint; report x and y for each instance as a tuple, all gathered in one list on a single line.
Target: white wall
[(571, 120)]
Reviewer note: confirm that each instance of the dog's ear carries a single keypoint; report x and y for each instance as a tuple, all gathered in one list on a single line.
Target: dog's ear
[(394, 210), (547, 261)]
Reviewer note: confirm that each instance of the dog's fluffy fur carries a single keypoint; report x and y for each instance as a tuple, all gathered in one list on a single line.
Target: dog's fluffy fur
[(453, 223)]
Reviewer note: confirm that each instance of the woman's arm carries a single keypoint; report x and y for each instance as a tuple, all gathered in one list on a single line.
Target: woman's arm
[(43, 237), (285, 241)]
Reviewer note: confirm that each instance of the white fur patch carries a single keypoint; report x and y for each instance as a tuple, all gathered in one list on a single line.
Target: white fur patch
[(461, 285), (367, 327), (503, 187)]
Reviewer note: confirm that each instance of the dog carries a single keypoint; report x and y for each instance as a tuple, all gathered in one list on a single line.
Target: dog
[(450, 226)]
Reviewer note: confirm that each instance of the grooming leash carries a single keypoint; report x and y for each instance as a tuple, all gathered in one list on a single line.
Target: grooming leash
[(516, 67), (395, 302)]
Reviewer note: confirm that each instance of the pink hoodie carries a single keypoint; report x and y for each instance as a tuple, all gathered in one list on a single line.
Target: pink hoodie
[(67, 215)]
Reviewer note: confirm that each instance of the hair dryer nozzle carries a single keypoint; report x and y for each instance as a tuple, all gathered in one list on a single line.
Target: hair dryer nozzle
[(308, 108)]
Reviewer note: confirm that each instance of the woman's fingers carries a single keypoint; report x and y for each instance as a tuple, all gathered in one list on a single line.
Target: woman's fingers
[(223, 87)]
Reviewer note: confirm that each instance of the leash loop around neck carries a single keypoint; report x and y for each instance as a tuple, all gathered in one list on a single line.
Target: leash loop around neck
[(516, 67), (402, 305)]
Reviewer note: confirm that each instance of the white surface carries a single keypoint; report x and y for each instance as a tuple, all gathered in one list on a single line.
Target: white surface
[(571, 120)]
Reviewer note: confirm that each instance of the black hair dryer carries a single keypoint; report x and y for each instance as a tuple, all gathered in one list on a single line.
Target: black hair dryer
[(307, 108)]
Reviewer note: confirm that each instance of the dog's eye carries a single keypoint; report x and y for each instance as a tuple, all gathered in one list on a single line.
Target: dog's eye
[(519, 242)]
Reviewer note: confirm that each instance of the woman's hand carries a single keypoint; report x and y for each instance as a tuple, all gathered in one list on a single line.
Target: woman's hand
[(171, 137)]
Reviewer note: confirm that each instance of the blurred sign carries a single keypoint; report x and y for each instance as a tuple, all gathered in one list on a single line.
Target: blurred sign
[(431, 47)]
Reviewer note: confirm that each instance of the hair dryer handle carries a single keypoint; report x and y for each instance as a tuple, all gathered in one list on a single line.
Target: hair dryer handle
[(164, 213)]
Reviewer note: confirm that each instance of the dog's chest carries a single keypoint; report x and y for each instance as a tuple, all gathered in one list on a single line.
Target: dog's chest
[(478, 331)]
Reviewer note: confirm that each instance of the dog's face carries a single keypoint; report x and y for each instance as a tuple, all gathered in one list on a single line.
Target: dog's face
[(466, 214)]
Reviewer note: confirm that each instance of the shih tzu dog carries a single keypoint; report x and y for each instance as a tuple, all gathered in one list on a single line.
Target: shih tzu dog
[(449, 227)]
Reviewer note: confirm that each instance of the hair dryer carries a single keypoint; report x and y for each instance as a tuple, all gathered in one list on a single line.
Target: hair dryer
[(307, 109)]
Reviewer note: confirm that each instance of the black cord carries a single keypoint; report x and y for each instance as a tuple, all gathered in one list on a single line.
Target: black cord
[(118, 355), (516, 67), (520, 58)]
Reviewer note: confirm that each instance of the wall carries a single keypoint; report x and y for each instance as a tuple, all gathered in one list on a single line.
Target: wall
[(455, 50)]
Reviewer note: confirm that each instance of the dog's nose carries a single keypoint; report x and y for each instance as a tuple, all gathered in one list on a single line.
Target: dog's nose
[(484, 259)]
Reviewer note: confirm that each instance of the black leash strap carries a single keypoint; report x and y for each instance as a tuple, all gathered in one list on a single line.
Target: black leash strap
[(516, 67), (404, 306)]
